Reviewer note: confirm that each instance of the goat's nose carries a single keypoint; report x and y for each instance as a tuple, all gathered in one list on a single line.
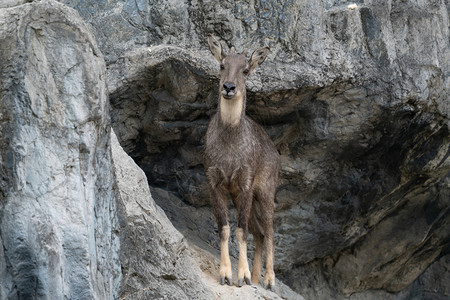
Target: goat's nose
[(229, 86)]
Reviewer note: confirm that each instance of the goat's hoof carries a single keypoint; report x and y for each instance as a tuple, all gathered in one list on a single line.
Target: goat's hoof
[(226, 279), (248, 281), (230, 281), (269, 286)]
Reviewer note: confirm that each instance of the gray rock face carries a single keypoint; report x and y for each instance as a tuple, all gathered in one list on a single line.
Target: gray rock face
[(77, 220), (155, 258), (57, 204)]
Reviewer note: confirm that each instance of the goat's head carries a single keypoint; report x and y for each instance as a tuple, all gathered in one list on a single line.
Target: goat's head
[(235, 68)]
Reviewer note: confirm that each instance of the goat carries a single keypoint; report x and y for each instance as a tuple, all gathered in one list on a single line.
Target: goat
[(240, 158)]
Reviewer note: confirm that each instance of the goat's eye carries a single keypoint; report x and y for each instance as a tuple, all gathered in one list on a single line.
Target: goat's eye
[(246, 71), (222, 66)]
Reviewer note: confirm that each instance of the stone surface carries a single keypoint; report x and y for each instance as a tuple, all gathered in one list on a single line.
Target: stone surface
[(57, 204), (77, 220), (155, 258), (208, 259), (174, 119)]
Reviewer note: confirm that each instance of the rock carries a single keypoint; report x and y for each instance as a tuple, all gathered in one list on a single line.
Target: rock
[(209, 260), (436, 277), (356, 100), (155, 258), (77, 220), (57, 203), (12, 3), (168, 118)]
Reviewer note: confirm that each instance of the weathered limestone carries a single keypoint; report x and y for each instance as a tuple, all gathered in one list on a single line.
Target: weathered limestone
[(77, 220), (57, 204), (155, 258)]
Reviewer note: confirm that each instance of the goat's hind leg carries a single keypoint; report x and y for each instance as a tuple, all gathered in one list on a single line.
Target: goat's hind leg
[(258, 260), (257, 231), (269, 277), (266, 197), (245, 203)]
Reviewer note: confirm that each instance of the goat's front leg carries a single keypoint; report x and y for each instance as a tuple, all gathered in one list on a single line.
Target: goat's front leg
[(245, 205), (220, 209), (225, 262), (243, 269)]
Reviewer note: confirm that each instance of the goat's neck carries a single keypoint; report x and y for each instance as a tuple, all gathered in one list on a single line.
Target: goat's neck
[(232, 111)]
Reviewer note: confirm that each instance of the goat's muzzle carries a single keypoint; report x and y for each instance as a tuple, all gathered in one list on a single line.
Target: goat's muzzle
[(228, 90)]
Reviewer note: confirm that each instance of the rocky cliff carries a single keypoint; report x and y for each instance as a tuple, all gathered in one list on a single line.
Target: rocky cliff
[(57, 201), (355, 98), (77, 220)]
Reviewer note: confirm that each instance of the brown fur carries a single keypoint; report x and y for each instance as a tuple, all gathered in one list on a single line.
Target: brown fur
[(240, 159)]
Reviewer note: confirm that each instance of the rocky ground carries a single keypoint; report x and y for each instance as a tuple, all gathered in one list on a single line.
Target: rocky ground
[(208, 259)]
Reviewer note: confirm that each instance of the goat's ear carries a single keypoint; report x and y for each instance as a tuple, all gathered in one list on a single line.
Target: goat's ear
[(258, 57), (216, 48)]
